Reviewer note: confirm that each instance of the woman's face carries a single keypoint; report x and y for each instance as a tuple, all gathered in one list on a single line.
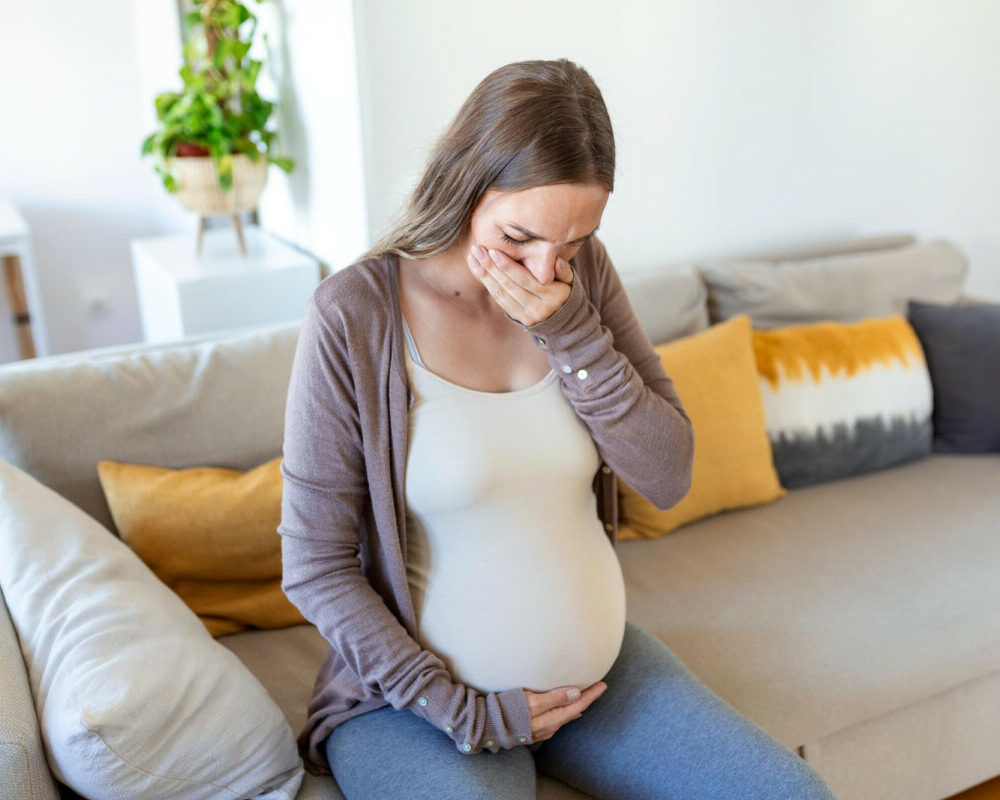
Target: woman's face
[(534, 226)]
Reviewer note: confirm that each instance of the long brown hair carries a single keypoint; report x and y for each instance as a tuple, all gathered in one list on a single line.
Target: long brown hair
[(529, 123)]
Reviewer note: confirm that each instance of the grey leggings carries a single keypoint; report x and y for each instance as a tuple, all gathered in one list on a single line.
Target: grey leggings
[(657, 733)]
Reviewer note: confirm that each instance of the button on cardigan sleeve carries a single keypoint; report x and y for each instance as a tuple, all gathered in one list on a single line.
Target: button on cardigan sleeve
[(324, 495), (617, 384)]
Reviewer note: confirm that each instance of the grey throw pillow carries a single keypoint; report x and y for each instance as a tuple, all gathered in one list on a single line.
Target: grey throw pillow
[(669, 304), (840, 288), (962, 348)]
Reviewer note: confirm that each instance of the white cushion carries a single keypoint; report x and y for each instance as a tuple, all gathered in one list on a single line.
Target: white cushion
[(134, 697)]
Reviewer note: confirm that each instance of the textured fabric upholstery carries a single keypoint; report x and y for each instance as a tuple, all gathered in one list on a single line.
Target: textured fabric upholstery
[(204, 402), (24, 771)]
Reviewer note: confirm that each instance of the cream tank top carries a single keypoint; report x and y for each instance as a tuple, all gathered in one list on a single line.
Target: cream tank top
[(514, 580)]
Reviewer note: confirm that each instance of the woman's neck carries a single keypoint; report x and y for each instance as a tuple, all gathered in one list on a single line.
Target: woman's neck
[(447, 276)]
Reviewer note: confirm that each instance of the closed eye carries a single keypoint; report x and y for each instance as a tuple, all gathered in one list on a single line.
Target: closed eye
[(512, 240)]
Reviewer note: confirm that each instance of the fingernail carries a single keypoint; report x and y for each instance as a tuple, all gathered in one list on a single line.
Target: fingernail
[(494, 256), (573, 694), (477, 251)]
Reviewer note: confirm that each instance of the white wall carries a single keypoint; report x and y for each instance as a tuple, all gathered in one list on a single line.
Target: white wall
[(311, 70), (739, 124), (77, 82)]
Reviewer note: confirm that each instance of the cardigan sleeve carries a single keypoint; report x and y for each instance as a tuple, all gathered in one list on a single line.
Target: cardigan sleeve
[(324, 495), (616, 382)]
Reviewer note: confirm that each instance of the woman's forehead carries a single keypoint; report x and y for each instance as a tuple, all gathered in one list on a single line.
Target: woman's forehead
[(551, 209)]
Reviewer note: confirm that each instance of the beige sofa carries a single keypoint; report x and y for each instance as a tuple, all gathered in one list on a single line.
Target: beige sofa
[(857, 621)]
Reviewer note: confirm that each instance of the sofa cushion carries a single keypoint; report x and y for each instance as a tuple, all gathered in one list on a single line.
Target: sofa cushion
[(844, 288), (962, 345), (832, 247), (286, 661), (716, 377), (217, 399), (932, 748), (24, 771), (669, 302), (209, 534), (841, 602), (843, 398), (134, 697)]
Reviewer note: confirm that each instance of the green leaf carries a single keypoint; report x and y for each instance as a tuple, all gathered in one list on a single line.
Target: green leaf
[(226, 168), (229, 16), (215, 116), (220, 53), (164, 102), (189, 50), (191, 20), (240, 49), (287, 164), (253, 69)]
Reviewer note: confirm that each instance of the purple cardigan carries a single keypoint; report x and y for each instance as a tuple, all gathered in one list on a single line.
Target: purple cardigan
[(343, 508)]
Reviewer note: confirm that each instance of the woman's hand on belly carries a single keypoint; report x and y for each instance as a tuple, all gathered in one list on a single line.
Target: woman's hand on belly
[(553, 709)]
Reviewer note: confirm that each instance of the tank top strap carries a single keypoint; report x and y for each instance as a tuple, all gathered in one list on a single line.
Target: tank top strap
[(411, 345)]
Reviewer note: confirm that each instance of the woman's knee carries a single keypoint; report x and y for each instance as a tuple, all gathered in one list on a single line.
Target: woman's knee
[(654, 700), (390, 753), (804, 783)]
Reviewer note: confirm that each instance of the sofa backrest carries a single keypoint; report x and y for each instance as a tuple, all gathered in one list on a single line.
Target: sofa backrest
[(672, 300), (212, 400), (832, 247), (219, 399)]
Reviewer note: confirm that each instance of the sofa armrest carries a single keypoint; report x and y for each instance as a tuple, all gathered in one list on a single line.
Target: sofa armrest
[(24, 771)]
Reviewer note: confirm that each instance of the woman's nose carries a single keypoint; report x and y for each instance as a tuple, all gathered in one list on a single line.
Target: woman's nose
[(543, 267)]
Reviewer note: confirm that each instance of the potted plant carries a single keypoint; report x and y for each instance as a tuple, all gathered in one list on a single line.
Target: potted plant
[(213, 147)]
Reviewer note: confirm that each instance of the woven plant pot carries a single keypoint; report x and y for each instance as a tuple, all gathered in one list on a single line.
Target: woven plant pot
[(199, 190)]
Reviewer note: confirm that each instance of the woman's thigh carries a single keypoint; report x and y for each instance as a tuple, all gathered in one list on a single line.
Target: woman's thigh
[(659, 733), (391, 754)]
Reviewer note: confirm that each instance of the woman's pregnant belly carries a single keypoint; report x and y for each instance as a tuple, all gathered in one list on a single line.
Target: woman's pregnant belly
[(511, 607), (515, 583)]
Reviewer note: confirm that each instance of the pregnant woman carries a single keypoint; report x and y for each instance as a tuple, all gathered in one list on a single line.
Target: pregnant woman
[(461, 403)]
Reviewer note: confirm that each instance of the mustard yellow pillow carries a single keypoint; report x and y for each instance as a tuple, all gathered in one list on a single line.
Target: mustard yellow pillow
[(715, 373), (210, 534)]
